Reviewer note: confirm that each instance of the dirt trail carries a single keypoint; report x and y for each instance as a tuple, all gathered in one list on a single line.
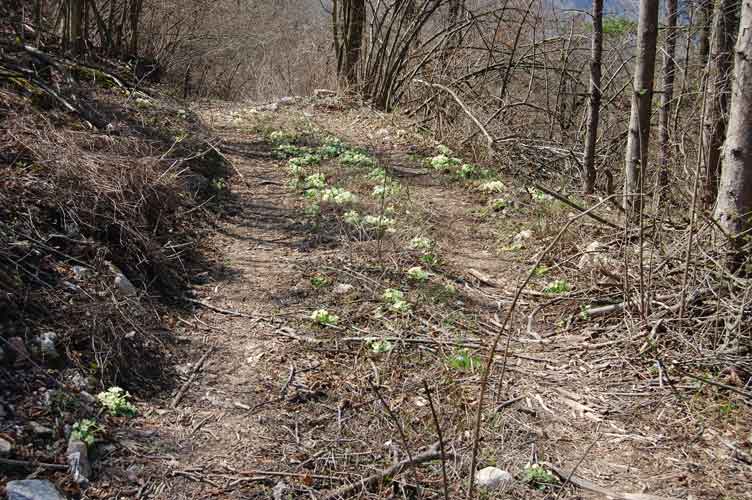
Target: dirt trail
[(266, 403)]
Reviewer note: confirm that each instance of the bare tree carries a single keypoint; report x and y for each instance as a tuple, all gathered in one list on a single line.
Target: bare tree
[(135, 15), (734, 202), (719, 68), (706, 23), (348, 23), (638, 139), (669, 71), (75, 25), (596, 53)]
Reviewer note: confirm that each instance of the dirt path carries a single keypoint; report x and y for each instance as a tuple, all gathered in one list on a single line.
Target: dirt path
[(281, 404)]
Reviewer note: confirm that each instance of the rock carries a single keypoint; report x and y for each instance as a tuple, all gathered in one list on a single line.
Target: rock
[(87, 398), (71, 287), (81, 273), (18, 349), (201, 278), (77, 456), (5, 447), (39, 430), (32, 489), (525, 234), (80, 382), (286, 101), (343, 289), (492, 478), (47, 345), (124, 285), (278, 492)]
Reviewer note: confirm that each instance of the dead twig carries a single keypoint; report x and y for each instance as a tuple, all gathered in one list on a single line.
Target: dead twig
[(492, 351), (590, 486), (368, 483), (32, 464), (190, 380), (435, 417)]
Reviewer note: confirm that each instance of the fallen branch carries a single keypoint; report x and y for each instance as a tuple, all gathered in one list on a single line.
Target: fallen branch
[(31, 464), (467, 111), (190, 380), (572, 204), (228, 312), (431, 453), (592, 487)]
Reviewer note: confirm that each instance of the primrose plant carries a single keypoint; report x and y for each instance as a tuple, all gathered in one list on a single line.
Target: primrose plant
[(445, 160), (352, 158), (85, 431), (417, 273), (492, 187), (331, 148), (324, 317), (115, 400), (396, 300), (557, 286), (422, 244), (381, 346), (281, 137), (337, 196)]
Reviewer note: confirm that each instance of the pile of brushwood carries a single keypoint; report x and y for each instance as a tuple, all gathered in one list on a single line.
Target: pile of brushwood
[(105, 189)]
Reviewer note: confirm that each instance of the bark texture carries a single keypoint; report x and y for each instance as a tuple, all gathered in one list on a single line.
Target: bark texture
[(638, 139), (734, 203), (719, 69), (596, 53)]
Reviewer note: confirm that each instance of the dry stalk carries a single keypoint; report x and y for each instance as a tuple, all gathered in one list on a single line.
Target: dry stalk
[(492, 351)]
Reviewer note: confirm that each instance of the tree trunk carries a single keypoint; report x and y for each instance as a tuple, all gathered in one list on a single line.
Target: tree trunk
[(718, 73), (638, 139), (75, 25), (354, 40), (706, 21), (669, 71), (134, 18), (38, 9), (596, 51), (734, 204), (348, 23)]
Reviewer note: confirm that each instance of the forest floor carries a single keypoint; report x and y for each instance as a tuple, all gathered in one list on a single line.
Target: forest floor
[(282, 406), (269, 403)]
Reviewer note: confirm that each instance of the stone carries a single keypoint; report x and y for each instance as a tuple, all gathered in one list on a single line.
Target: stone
[(5, 447), (80, 381), (39, 430), (343, 289), (124, 285), (77, 456), (71, 287), (87, 398), (492, 478), (47, 345), (80, 273), (525, 234), (278, 492), (201, 278), (32, 489)]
